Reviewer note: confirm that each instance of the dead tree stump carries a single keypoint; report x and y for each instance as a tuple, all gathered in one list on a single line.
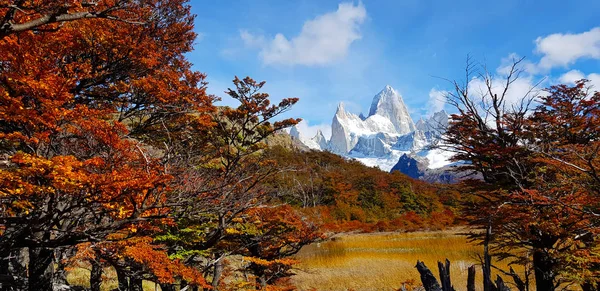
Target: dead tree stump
[(429, 281), (471, 279), (445, 276)]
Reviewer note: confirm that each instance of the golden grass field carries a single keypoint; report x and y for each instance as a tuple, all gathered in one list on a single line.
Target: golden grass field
[(373, 261), (81, 277), (383, 261)]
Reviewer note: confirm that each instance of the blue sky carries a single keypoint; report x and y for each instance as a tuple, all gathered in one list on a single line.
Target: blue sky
[(325, 52)]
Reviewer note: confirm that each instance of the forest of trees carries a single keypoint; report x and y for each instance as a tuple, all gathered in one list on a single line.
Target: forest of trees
[(112, 155)]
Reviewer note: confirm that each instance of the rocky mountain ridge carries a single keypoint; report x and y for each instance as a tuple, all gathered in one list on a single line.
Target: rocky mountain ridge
[(386, 138)]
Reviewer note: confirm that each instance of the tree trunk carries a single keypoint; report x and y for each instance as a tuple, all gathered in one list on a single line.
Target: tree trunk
[(487, 260), (60, 274), (167, 287), (445, 276), (96, 276), (13, 270), (429, 281), (40, 269), (122, 278), (471, 279), (543, 269), (217, 272)]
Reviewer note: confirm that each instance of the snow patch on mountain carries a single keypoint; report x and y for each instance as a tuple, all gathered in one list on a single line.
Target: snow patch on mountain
[(437, 158)]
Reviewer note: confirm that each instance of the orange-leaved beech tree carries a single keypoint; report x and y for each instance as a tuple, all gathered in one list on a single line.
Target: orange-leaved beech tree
[(269, 237), (537, 201), (87, 88), (222, 175)]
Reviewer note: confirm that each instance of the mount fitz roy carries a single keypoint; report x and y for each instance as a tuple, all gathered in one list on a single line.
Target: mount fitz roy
[(387, 138)]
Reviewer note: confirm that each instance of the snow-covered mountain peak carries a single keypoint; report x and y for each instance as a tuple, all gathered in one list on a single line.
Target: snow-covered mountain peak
[(320, 140), (382, 137), (436, 123), (386, 92), (340, 109), (295, 133), (389, 104)]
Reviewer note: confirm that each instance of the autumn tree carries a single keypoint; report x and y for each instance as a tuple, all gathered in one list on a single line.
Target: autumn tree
[(84, 87), (537, 196), (222, 174), (269, 236)]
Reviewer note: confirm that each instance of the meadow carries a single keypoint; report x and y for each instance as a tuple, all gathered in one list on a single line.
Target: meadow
[(363, 261), (384, 261)]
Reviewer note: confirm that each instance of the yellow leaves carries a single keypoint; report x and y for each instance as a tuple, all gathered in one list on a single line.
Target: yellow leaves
[(22, 205), (231, 230)]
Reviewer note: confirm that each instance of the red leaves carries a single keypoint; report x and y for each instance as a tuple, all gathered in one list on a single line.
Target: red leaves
[(541, 182)]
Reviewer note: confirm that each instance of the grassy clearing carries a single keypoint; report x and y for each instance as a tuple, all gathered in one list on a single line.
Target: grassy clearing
[(81, 277), (382, 261)]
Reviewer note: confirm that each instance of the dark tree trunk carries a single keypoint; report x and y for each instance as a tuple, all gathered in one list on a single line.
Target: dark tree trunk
[(543, 269), (135, 284), (13, 270), (471, 279), (487, 260), (40, 269), (445, 276), (96, 276), (122, 278), (429, 281)]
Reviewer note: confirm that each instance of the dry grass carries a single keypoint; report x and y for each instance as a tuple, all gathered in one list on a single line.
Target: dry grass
[(81, 277), (383, 261)]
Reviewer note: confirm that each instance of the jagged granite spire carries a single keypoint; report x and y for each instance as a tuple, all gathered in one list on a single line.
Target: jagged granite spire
[(320, 140), (389, 104)]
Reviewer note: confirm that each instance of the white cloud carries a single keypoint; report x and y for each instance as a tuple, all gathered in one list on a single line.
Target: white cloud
[(561, 50), (594, 81), (309, 131), (507, 62), (575, 75), (250, 40), (571, 76), (436, 102), (523, 87), (323, 40)]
